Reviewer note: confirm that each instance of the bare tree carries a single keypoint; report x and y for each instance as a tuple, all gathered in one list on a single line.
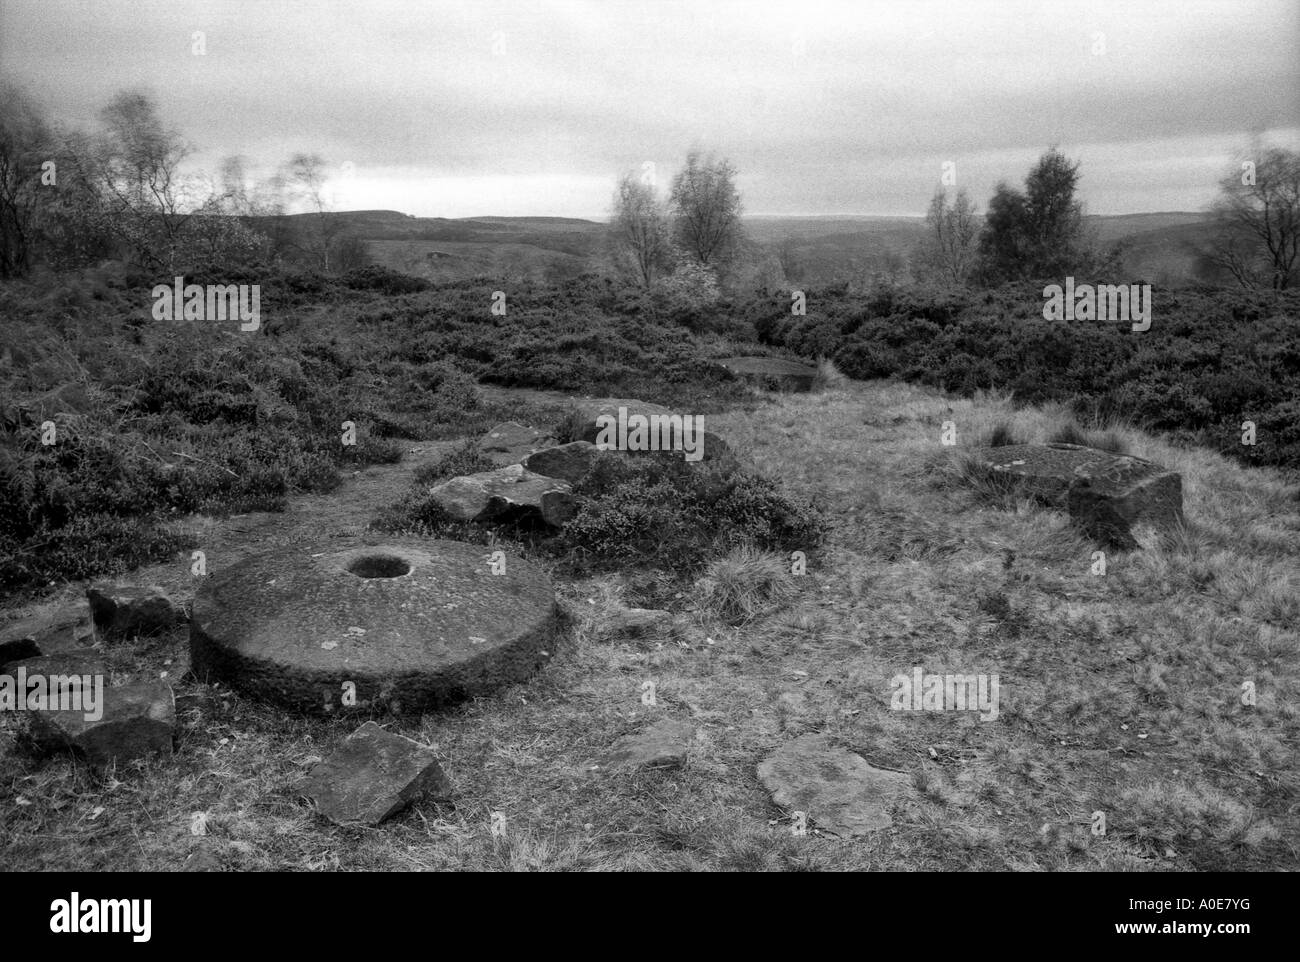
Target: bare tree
[(1258, 219), (306, 174), (144, 199), (952, 232), (706, 210), (639, 229), (26, 144)]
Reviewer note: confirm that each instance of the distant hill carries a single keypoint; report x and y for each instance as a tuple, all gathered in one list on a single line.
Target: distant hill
[(814, 249)]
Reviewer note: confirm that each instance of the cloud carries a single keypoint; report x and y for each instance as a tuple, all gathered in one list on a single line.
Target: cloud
[(832, 107)]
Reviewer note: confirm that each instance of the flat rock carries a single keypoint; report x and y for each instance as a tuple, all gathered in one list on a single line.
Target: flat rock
[(137, 720), (372, 776), (772, 371), (507, 495), (510, 443), (133, 609), (411, 624), (1110, 496), (76, 661), (568, 462), (663, 744), (835, 787), (635, 621), (592, 413), (47, 632)]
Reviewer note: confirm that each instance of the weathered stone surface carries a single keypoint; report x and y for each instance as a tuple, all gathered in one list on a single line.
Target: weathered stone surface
[(138, 720), (510, 443), (773, 371), (509, 494), (634, 621), (1110, 496), (1115, 501), (569, 462), (372, 776), (836, 788), (413, 624), (77, 661), (663, 744), (591, 409), (133, 609), (713, 448), (47, 632)]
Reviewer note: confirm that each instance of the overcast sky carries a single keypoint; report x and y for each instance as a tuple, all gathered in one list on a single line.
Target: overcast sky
[(454, 109)]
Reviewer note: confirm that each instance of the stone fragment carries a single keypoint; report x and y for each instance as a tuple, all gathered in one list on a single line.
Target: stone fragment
[(133, 609), (47, 632), (1112, 497), (667, 430), (507, 495), (569, 462), (1117, 501), (836, 788), (663, 744), (510, 443), (136, 720), (373, 775)]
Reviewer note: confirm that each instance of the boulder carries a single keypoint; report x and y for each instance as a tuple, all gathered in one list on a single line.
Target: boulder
[(593, 428), (569, 462), (1112, 497), (509, 494), (510, 443), (133, 610), (772, 372), (372, 776), (835, 787), (663, 744), (1115, 501), (137, 719), (48, 632)]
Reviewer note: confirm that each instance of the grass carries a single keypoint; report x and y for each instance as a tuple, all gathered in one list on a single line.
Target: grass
[(1121, 693)]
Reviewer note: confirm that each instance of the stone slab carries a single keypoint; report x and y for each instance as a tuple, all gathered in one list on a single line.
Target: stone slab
[(835, 787), (1110, 496), (373, 775)]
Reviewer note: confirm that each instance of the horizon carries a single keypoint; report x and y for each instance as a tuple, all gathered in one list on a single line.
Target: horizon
[(536, 108)]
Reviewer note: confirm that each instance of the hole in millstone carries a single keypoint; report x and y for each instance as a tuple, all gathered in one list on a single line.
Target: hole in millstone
[(380, 566)]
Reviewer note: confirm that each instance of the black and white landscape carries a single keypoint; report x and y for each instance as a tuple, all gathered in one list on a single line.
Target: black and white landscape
[(665, 436)]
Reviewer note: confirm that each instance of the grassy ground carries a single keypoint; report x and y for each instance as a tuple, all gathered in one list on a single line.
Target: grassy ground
[(1119, 693)]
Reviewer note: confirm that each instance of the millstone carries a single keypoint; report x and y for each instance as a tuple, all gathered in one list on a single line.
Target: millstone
[(413, 624)]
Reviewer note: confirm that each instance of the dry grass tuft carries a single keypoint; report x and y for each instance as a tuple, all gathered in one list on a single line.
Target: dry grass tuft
[(746, 583)]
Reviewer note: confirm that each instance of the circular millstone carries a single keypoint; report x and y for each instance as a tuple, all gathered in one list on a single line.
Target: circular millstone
[(412, 624)]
